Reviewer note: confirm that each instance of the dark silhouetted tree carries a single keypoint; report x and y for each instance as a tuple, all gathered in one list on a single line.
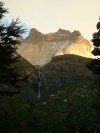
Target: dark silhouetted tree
[(8, 45), (95, 63)]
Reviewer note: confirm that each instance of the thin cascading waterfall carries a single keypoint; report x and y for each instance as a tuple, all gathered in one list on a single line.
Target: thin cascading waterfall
[(40, 84), (38, 71)]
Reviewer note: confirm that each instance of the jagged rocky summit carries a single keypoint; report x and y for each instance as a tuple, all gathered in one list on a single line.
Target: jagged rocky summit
[(39, 48)]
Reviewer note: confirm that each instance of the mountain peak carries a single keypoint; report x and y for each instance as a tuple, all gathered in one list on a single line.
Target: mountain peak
[(34, 31), (39, 48), (34, 36), (76, 32), (63, 31)]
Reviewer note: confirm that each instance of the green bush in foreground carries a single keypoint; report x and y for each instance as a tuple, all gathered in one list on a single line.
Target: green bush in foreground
[(75, 109)]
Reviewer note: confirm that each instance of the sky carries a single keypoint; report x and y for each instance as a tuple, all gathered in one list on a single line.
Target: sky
[(50, 15)]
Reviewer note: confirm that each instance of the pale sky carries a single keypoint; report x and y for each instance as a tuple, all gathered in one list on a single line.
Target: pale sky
[(50, 15)]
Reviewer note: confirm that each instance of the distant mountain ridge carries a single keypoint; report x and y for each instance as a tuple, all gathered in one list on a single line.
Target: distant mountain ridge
[(39, 48)]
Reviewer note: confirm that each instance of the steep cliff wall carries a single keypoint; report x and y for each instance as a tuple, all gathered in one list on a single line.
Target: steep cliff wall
[(39, 48)]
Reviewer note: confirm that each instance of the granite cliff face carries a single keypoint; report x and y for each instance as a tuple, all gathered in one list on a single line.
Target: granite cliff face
[(39, 48), (80, 47)]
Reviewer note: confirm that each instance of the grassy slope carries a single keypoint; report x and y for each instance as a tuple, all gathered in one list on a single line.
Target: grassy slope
[(69, 64), (65, 69)]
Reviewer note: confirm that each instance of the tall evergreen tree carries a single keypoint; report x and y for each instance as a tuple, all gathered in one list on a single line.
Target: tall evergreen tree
[(95, 63), (8, 45)]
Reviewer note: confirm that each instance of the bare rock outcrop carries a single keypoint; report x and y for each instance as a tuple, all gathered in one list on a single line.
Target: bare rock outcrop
[(39, 48), (80, 46)]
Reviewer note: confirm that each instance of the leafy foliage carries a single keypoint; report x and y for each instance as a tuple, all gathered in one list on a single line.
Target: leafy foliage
[(95, 63), (8, 45), (2, 10)]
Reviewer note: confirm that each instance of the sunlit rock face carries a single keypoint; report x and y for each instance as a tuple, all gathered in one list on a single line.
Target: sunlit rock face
[(80, 47), (39, 48)]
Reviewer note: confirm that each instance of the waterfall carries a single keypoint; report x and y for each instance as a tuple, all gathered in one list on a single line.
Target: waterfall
[(38, 70), (39, 83)]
